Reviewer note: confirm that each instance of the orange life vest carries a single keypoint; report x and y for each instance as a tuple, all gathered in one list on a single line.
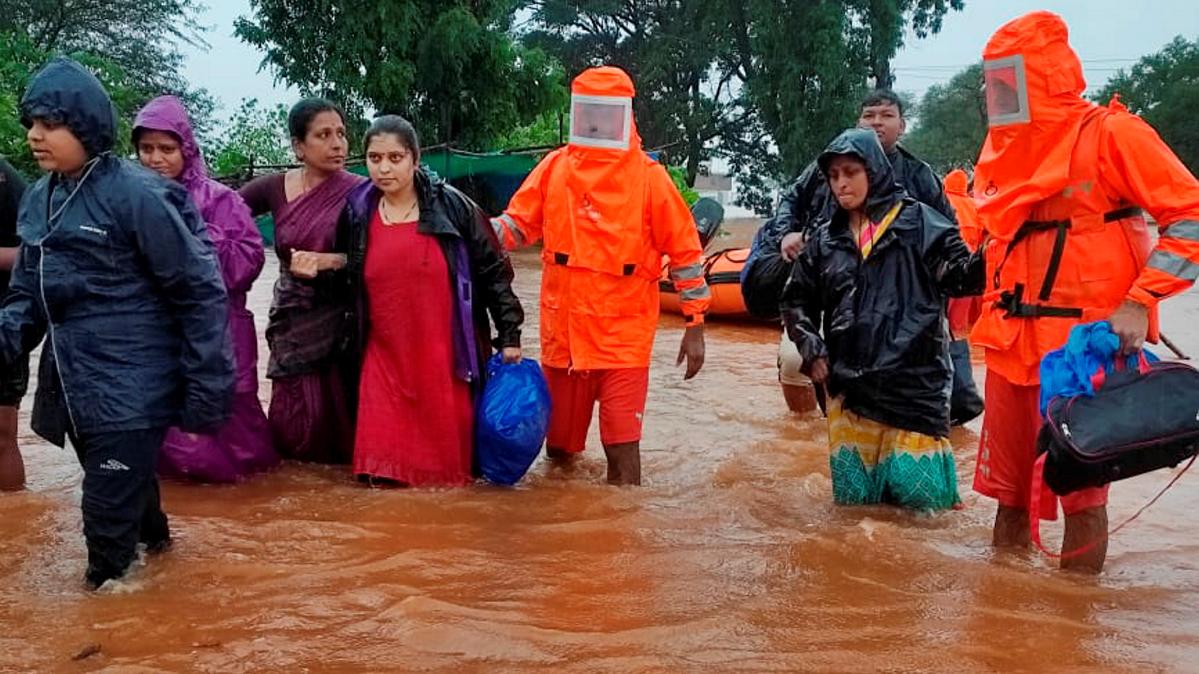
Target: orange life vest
[(1072, 262)]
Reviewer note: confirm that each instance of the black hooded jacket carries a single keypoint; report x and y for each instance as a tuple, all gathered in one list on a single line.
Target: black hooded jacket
[(883, 317), (806, 204), (808, 201), (117, 268)]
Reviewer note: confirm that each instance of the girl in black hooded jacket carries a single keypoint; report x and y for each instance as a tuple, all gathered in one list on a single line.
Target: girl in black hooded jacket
[(876, 278)]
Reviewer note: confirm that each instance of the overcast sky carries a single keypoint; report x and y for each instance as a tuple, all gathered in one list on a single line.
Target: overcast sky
[(1108, 35)]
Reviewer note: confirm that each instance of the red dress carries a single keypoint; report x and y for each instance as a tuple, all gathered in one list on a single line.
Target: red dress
[(415, 418)]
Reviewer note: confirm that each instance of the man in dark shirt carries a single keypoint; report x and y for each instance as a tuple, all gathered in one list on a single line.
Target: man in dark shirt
[(808, 201), (14, 380)]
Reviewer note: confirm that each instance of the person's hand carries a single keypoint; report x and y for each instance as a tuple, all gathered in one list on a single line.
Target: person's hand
[(791, 246), (305, 264), (510, 354), (1130, 322), (692, 350), (819, 373)]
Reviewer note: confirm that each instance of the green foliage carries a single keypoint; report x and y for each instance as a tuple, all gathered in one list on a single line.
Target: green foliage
[(763, 83), (952, 123), (18, 57), (1163, 88), (805, 66), (254, 135), (879, 25), (550, 128), (670, 48), (21, 59), (805, 92), (678, 175), (451, 67), (131, 45)]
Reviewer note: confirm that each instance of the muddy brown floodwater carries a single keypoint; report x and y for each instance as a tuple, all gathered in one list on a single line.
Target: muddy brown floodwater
[(731, 557)]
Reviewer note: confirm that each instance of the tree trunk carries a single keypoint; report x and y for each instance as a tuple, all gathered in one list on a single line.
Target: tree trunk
[(695, 143)]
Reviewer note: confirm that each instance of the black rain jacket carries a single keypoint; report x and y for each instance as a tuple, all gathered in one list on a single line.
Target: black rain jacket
[(883, 318)]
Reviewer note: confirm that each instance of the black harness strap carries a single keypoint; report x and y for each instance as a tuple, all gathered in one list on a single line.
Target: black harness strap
[(1055, 261), (564, 259), (1013, 305), (1012, 301)]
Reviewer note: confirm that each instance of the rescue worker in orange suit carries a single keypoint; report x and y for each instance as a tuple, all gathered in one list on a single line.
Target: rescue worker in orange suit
[(1061, 184), (606, 214), (965, 403), (957, 191)]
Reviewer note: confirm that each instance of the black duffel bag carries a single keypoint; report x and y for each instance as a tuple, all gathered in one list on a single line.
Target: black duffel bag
[(765, 272), (1137, 421)]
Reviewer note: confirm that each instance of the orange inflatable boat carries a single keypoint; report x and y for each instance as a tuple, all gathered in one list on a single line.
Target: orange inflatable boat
[(722, 270)]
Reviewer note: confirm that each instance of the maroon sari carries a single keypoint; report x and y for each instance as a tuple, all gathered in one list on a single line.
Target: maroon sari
[(310, 412)]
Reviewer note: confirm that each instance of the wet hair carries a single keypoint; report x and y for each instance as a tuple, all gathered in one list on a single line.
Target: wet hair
[(396, 126), (882, 97), (139, 130), (299, 120), (825, 161)]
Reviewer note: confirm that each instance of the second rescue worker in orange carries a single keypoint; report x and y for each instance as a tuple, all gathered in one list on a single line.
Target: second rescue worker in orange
[(606, 213), (1061, 183)]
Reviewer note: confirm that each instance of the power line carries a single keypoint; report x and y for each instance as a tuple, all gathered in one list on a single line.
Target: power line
[(961, 66)]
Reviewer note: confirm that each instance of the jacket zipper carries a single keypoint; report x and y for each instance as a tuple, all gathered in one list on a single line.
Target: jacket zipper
[(41, 270)]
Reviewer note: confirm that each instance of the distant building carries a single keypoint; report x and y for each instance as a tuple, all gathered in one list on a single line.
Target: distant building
[(715, 186), (722, 189)]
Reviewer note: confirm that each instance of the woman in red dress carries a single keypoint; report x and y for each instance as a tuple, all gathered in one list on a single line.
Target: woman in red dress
[(428, 271)]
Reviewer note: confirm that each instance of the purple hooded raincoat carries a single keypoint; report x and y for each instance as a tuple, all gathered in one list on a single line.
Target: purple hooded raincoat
[(243, 446)]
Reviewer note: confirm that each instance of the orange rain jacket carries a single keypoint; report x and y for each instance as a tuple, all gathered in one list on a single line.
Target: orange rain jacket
[(606, 218), (963, 311), (957, 191), (1060, 196)]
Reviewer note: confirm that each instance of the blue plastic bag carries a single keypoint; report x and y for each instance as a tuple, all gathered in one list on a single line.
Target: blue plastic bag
[(512, 419), (1091, 346)]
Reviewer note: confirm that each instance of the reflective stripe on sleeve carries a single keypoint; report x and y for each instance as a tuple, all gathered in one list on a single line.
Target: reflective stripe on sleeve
[(1174, 265)]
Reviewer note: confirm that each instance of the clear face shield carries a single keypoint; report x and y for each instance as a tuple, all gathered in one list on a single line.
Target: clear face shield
[(1006, 91), (601, 121)]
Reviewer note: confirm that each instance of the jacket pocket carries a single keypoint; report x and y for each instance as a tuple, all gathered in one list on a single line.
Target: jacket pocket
[(609, 295), (92, 252)]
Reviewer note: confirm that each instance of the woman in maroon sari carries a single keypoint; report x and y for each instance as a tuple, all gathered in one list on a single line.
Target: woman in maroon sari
[(312, 380)]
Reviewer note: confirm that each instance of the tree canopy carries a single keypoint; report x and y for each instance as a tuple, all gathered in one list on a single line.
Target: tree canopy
[(671, 49), (763, 83), (452, 67), (131, 45), (1163, 88), (952, 122), (805, 66), (254, 135)]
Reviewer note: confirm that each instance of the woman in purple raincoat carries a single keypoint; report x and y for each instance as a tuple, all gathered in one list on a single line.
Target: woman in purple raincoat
[(165, 144)]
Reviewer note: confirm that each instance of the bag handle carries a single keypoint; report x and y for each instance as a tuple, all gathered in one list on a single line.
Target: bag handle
[(1034, 508), (1140, 359), (1100, 377)]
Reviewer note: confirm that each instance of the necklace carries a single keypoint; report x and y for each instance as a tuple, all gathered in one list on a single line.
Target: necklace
[(303, 181), (404, 218)]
